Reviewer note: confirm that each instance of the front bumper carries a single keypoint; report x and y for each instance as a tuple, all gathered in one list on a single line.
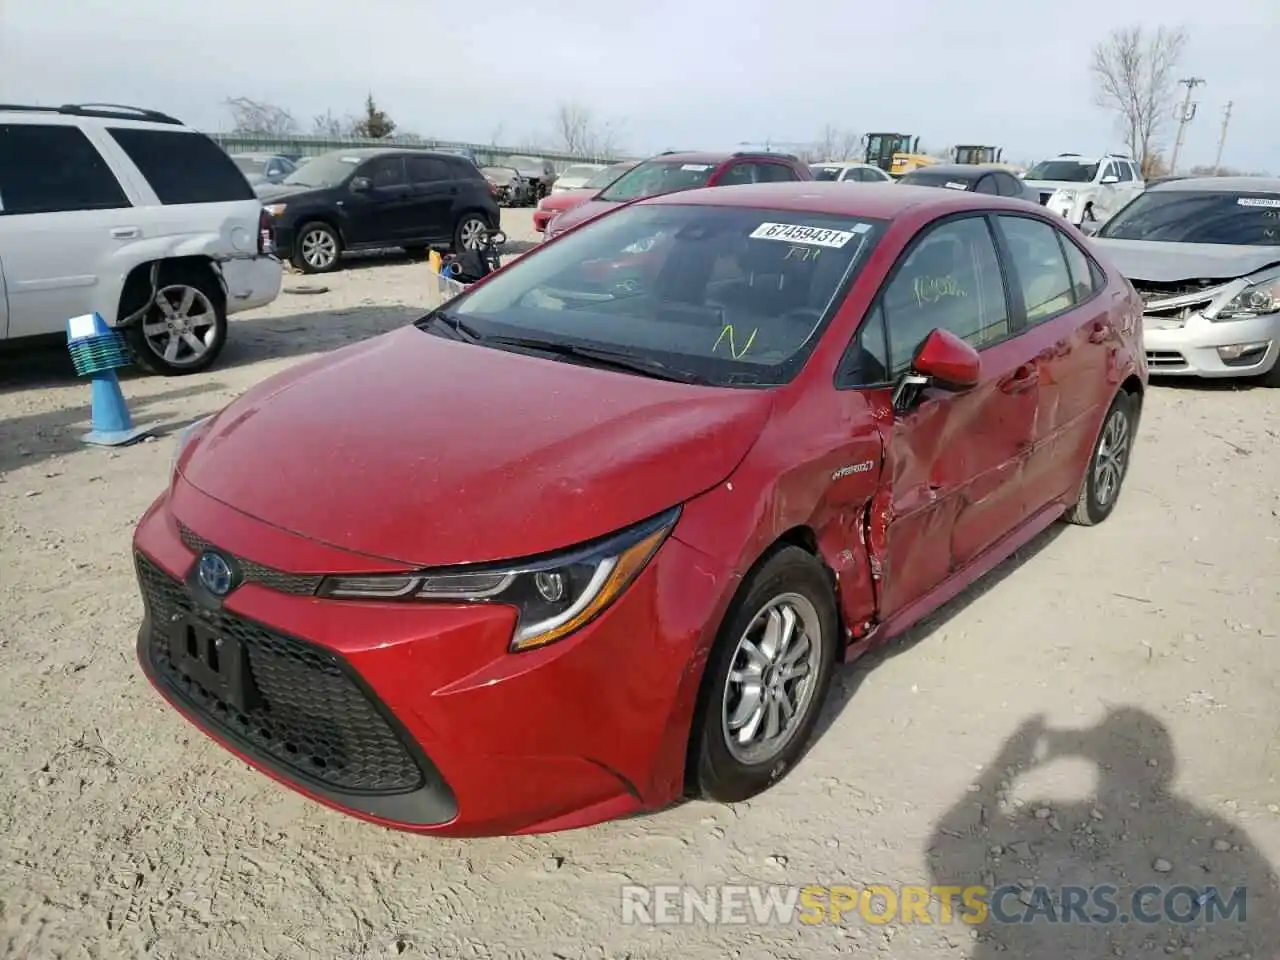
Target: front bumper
[(1191, 349), (252, 283), (415, 716)]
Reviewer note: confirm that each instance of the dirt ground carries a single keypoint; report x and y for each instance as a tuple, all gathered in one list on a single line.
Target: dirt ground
[(126, 833)]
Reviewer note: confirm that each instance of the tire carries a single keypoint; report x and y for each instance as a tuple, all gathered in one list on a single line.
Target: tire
[(189, 307), (1105, 478), (729, 773), (469, 233), (317, 249)]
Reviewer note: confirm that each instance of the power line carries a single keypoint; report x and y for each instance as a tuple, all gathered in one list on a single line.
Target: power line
[(1222, 138), (1188, 112)]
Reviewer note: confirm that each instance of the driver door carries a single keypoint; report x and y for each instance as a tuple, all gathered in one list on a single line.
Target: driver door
[(952, 484)]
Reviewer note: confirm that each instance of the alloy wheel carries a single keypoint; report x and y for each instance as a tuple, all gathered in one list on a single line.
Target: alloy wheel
[(319, 249), (1112, 458), (771, 679), (187, 327), (471, 234)]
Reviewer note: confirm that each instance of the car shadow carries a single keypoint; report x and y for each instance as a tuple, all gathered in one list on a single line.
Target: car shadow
[(1208, 384), (1133, 869), (850, 677)]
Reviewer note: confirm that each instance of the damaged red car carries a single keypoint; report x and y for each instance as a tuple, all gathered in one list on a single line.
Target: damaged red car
[(594, 534)]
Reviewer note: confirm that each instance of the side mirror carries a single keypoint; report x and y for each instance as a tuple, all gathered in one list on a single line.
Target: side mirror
[(361, 185), (1110, 179), (942, 360)]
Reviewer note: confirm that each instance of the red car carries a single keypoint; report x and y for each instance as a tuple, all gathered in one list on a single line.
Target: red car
[(554, 204), (671, 172), (582, 540)]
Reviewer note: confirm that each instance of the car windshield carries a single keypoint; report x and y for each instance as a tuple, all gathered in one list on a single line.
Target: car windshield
[(1069, 171), (602, 178), (250, 164), (825, 173), (1198, 216), (732, 296), (326, 170), (578, 172), (497, 173), (654, 177)]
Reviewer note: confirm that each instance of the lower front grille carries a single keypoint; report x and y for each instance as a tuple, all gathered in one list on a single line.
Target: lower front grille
[(307, 713), (1165, 359)]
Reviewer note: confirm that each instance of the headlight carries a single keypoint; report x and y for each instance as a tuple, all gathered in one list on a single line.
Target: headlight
[(183, 439), (553, 597), (1066, 196), (1256, 300), (274, 209)]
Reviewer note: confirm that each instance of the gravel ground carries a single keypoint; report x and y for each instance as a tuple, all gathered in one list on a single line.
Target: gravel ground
[(1153, 638)]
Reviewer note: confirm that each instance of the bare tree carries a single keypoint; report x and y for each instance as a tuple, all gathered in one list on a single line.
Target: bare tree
[(328, 124), (1135, 77), (495, 138), (578, 133), (259, 117), (837, 143)]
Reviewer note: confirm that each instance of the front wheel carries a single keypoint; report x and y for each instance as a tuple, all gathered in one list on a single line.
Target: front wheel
[(1108, 466), (318, 248), (765, 680)]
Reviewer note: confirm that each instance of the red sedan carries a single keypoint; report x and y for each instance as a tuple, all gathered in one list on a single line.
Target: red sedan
[(554, 204), (584, 540)]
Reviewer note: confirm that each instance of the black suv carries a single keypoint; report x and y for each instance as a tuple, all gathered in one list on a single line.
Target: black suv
[(374, 198)]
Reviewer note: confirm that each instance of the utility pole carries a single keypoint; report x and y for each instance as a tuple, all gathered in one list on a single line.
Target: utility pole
[(1222, 138), (1188, 112)]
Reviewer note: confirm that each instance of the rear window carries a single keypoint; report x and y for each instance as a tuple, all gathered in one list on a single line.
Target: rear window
[(183, 166), (464, 169), (934, 178), (659, 176), (825, 173)]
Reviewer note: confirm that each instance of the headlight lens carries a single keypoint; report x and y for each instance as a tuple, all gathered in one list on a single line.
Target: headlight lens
[(554, 597), (1257, 300), (274, 209), (183, 439), (1066, 196)]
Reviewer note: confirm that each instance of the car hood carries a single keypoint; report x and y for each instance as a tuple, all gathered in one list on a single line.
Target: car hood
[(272, 192), (565, 200), (1047, 185), (582, 212), (1157, 261), (425, 451)]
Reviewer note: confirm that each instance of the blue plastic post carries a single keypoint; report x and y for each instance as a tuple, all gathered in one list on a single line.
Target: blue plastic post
[(98, 351)]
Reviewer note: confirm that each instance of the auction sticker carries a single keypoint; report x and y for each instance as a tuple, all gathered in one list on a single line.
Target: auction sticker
[(798, 233), (954, 185), (1257, 202), (696, 167)]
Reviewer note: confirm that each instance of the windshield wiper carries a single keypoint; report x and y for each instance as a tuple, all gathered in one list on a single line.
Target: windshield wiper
[(601, 357), (459, 328)]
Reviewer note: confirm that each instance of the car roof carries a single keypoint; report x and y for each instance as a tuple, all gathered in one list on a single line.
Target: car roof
[(717, 157), (365, 153), (839, 199), (1225, 184)]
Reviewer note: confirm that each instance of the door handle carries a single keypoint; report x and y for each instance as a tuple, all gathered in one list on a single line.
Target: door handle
[(125, 233), (1022, 379), (1100, 331)]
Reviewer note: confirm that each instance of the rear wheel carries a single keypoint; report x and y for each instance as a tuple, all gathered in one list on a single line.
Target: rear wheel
[(185, 328), (318, 248), (1108, 466), (765, 680)]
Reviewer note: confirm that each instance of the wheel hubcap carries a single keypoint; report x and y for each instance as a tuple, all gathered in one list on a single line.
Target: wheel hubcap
[(1113, 452), (186, 327), (319, 249), (771, 679), (472, 234)]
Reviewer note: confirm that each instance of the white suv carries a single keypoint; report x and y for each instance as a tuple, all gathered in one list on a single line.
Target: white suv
[(133, 215), (1085, 189)]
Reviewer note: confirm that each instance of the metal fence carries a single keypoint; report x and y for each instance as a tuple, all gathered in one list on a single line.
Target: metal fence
[(311, 146)]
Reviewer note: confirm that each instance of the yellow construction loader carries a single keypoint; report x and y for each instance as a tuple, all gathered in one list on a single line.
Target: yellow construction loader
[(986, 156), (896, 153)]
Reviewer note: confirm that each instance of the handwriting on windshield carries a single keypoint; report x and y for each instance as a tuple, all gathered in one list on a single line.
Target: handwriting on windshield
[(929, 290), (727, 334), (802, 253)]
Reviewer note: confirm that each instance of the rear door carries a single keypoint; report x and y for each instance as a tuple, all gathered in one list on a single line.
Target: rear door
[(4, 306), (63, 214), (1057, 292), (954, 464), (435, 192)]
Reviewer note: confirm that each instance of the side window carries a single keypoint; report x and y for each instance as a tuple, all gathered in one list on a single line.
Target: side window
[(866, 362), (1083, 273), (183, 166), (385, 172), (1107, 170), (1137, 174), (1040, 266), (54, 169), (774, 173), (739, 173), (951, 280), (428, 170), (1123, 171), (986, 185)]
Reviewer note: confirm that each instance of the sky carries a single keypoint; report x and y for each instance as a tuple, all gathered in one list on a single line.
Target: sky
[(665, 74)]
